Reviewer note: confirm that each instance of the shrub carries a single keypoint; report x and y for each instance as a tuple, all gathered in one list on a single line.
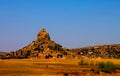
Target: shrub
[(107, 67), (64, 53), (59, 55), (91, 63), (48, 56), (65, 74), (82, 62), (118, 66), (28, 53)]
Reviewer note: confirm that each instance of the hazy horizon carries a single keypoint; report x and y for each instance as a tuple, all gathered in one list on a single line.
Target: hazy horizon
[(71, 23)]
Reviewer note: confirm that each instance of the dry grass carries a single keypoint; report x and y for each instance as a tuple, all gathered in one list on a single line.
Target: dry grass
[(49, 67), (95, 61), (37, 67)]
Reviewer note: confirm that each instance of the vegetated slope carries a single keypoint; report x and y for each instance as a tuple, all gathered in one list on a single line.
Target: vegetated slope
[(103, 51)]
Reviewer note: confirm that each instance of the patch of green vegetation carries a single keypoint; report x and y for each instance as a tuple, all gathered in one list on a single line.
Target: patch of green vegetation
[(108, 67), (118, 66)]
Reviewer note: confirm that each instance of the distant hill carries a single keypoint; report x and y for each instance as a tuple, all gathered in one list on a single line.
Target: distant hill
[(102, 51), (44, 47), (3, 54)]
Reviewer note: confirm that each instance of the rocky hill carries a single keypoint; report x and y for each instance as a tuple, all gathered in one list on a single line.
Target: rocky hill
[(103, 51), (3, 54), (44, 47)]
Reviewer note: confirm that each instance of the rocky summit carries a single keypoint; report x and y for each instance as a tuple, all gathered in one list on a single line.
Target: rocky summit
[(43, 35)]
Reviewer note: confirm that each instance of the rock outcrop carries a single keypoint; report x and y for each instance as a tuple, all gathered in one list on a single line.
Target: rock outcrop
[(42, 47), (43, 35)]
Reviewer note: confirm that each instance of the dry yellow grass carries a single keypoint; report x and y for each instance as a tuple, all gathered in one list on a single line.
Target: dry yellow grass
[(49, 67), (95, 61), (37, 67)]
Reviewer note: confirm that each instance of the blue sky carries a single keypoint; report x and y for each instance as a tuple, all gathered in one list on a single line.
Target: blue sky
[(71, 23)]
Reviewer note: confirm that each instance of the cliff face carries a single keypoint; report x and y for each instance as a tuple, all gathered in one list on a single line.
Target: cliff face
[(42, 47)]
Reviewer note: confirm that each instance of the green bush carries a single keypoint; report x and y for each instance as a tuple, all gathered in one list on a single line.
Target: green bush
[(118, 66), (107, 67)]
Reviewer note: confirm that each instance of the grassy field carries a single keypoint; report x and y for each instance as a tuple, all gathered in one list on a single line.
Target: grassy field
[(51, 67)]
